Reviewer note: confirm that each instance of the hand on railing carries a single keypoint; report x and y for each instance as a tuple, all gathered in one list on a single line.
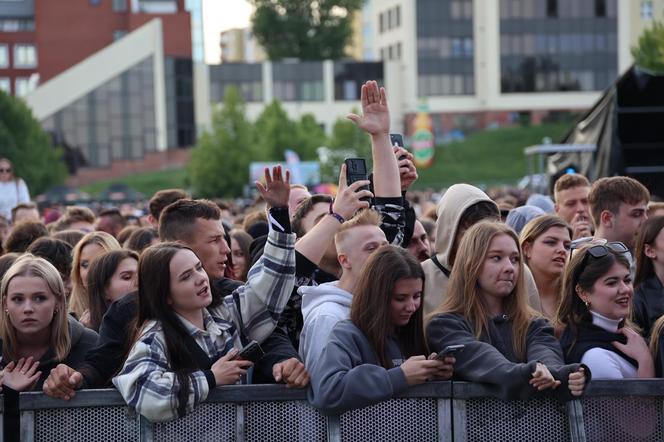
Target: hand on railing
[(446, 370), (576, 382), (419, 369), (292, 372), (22, 375), (543, 379), (62, 382), (227, 371)]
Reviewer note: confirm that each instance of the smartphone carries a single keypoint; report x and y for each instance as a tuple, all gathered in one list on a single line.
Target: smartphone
[(251, 352), (356, 170), (397, 139), (450, 350)]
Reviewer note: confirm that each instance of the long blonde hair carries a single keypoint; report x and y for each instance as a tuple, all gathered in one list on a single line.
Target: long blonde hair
[(78, 301), (463, 292), (60, 341)]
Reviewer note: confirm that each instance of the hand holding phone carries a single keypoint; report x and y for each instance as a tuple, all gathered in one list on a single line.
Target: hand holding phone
[(251, 352), (450, 350), (356, 170)]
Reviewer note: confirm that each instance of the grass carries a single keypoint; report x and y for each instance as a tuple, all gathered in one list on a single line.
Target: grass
[(147, 183), (487, 158)]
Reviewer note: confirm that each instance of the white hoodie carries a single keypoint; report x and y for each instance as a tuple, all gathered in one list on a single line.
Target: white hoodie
[(322, 307)]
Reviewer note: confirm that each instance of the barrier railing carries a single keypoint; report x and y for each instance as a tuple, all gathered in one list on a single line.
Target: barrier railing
[(441, 411)]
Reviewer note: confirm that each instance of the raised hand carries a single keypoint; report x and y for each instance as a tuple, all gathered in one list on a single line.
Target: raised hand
[(407, 170), (22, 375), (375, 117), (348, 197), (276, 190)]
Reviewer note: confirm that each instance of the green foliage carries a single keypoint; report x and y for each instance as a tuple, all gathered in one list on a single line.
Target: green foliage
[(347, 140), (29, 148), (148, 183), (487, 158), (275, 133), (304, 29), (310, 137), (649, 52), (219, 164)]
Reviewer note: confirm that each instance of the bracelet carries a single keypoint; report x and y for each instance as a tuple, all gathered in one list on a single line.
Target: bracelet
[(335, 214)]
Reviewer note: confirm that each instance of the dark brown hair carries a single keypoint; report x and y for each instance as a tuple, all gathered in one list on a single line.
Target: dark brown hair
[(177, 221), (164, 198), (141, 238), (23, 234), (71, 237), (303, 210), (647, 235), (370, 310), (610, 192), (55, 251)]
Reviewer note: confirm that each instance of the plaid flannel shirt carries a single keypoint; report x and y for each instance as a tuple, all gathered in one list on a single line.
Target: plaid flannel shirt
[(147, 382)]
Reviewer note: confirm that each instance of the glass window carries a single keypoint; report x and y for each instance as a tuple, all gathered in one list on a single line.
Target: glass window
[(117, 35), (25, 56), (552, 8), (23, 86), (119, 5), (646, 9), (600, 8), (398, 15), (5, 85), (381, 22), (4, 56)]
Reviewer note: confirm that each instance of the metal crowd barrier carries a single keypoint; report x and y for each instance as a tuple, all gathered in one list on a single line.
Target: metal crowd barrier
[(628, 410)]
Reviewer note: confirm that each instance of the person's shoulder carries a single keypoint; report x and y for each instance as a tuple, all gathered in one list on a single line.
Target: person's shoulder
[(346, 328)]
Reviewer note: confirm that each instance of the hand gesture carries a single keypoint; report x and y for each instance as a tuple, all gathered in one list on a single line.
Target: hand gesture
[(636, 347), (581, 226), (227, 371), (576, 382), (407, 170), (62, 382), (292, 372), (276, 189), (348, 197), (446, 369), (418, 369), (543, 379), (375, 117), (22, 375)]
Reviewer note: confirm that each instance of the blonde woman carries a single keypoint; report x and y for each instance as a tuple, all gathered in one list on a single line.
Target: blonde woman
[(36, 331), (507, 346), (88, 248), (545, 242)]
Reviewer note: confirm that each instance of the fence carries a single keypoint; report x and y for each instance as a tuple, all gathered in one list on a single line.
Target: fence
[(629, 410)]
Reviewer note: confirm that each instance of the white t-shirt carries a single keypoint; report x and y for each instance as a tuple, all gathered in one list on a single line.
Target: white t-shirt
[(606, 364), (12, 193)]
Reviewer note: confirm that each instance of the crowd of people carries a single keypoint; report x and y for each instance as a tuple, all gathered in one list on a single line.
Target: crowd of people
[(355, 298)]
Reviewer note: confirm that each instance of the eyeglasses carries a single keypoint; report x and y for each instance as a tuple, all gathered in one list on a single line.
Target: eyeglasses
[(599, 251), (5, 170)]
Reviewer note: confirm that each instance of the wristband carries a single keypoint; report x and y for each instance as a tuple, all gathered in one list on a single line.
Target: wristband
[(335, 214)]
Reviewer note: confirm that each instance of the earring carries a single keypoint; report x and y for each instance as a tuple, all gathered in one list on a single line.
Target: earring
[(587, 303)]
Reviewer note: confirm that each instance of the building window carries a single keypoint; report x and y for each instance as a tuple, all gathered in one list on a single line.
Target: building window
[(398, 15), (646, 10), (25, 56), (16, 25), (600, 8), (4, 56), (117, 35), (119, 5), (552, 8), (23, 86), (381, 22), (5, 85)]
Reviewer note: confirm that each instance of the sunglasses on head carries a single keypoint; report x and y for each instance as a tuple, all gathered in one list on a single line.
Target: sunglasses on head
[(599, 251)]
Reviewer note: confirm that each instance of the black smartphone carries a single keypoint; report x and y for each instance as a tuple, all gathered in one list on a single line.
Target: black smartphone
[(397, 139), (356, 170), (450, 350), (251, 352)]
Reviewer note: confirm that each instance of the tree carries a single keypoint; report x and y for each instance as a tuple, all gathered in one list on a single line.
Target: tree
[(347, 140), (28, 147), (304, 29), (219, 164), (311, 136), (275, 133), (649, 52)]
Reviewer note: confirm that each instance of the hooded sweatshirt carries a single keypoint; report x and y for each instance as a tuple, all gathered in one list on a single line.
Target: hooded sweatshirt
[(454, 202), (437, 270), (322, 307)]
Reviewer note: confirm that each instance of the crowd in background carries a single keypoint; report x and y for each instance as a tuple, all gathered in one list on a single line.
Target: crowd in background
[(355, 298)]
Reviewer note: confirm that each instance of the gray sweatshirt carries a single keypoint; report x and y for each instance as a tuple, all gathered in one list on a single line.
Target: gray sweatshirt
[(492, 360), (349, 376)]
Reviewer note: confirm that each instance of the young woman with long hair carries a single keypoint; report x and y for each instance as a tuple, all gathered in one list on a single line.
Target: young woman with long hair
[(648, 304), (241, 258), (88, 248), (36, 331), (381, 350), (545, 242), (594, 313), (181, 351), (507, 345), (111, 276)]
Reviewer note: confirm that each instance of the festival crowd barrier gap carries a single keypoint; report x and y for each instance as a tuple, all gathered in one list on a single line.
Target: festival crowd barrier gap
[(625, 410)]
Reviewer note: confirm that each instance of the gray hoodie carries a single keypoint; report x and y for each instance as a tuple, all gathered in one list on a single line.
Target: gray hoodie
[(349, 375), (322, 307)]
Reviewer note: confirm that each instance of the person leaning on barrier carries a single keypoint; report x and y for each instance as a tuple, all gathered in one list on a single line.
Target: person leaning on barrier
[(507, 345), (594, 312), (196, 224), (648, 304), (381, 350)]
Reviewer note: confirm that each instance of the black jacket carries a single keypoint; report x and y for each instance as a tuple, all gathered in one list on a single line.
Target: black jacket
[(648, 304)]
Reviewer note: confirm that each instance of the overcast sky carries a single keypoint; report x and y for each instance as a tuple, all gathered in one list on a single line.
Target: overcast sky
[(220, 15)]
